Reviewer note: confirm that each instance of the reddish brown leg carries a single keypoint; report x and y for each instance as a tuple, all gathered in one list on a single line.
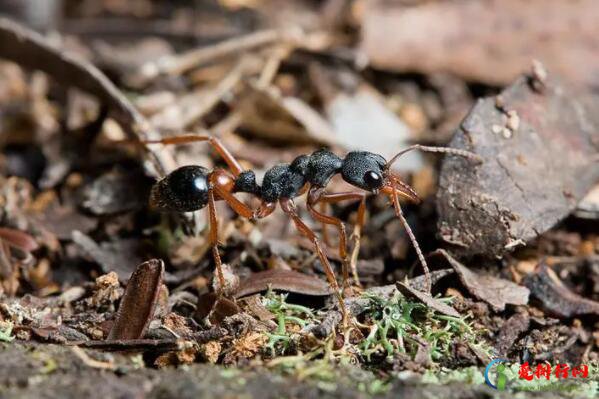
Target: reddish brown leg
[(230, 160), (317, 195), (326, 238), (265, 209), (221, 183), (288, 207), (356, 236), (214, 241)]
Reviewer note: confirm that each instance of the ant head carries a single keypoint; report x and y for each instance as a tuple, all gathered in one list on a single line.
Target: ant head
[(370, 172), (183, 190), (364, 170)]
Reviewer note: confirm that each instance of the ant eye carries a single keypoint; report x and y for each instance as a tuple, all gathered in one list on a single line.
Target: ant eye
[(373, 179)]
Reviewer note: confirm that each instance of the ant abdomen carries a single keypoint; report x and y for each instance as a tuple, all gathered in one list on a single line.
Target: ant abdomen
[(183, 190)]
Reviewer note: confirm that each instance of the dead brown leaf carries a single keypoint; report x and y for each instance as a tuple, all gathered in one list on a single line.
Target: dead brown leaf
[(285, 280), (139, 301), (495, 291), (427, 299), (555, 297)]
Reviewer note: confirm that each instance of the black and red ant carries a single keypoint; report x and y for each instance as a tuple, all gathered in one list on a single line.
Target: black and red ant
[(190, 188)]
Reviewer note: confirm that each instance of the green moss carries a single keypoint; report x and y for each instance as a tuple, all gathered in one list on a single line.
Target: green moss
[(400, 325), (6, 332), (287, 314)]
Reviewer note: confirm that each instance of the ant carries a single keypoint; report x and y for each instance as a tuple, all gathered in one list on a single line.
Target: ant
[(193, 187)]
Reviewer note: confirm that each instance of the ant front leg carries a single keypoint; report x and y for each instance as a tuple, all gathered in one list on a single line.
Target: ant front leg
[(404, 222), (218, 146), (288, 207), (318, 196)]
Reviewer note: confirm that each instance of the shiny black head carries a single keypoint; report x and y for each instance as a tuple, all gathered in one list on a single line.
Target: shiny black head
[(183, 190), (364, 170)]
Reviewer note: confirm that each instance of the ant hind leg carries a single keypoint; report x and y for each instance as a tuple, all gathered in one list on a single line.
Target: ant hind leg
[(218, 146), (214, 241)]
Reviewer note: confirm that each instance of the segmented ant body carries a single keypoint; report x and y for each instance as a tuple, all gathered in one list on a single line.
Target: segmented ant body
[(191, 188)]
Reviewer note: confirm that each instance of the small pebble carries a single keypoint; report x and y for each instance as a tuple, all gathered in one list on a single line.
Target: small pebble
[(496, 129), (513, 121)]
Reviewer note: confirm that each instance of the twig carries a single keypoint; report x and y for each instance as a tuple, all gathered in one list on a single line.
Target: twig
[(134, 345), (180, 63), (88, 361), (195, 105)]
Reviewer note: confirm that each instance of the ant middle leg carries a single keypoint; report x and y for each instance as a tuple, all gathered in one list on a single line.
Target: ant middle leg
[(288, 207), (318, 196)]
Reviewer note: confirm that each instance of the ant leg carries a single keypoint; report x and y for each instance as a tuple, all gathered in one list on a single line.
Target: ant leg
[(218, 146), (326, 238), (357, 235), (404, 222), (288, 207), (264, 210), (444, 150), (214, 241), (318, 196), (222, 183)]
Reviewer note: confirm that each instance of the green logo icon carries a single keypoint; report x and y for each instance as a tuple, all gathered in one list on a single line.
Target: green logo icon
[(501, 375)]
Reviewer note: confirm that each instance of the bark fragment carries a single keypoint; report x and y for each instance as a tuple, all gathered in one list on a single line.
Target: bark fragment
[(533, 174), (139, 301)]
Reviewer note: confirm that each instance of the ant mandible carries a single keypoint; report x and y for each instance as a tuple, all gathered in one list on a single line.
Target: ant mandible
[(193, 187)]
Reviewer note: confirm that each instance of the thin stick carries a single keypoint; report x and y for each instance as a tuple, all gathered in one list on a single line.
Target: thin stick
[(180, 63), (93, 363), (196, 105), (444, 150), (406, 226)]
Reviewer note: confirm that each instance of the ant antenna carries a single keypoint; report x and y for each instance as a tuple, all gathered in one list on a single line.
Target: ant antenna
[(444, 150)]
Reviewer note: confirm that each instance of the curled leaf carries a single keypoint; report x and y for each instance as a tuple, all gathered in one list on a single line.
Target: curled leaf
[(495, 291), (18, 239), (428, 300), (555, 296), (139, 301)]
